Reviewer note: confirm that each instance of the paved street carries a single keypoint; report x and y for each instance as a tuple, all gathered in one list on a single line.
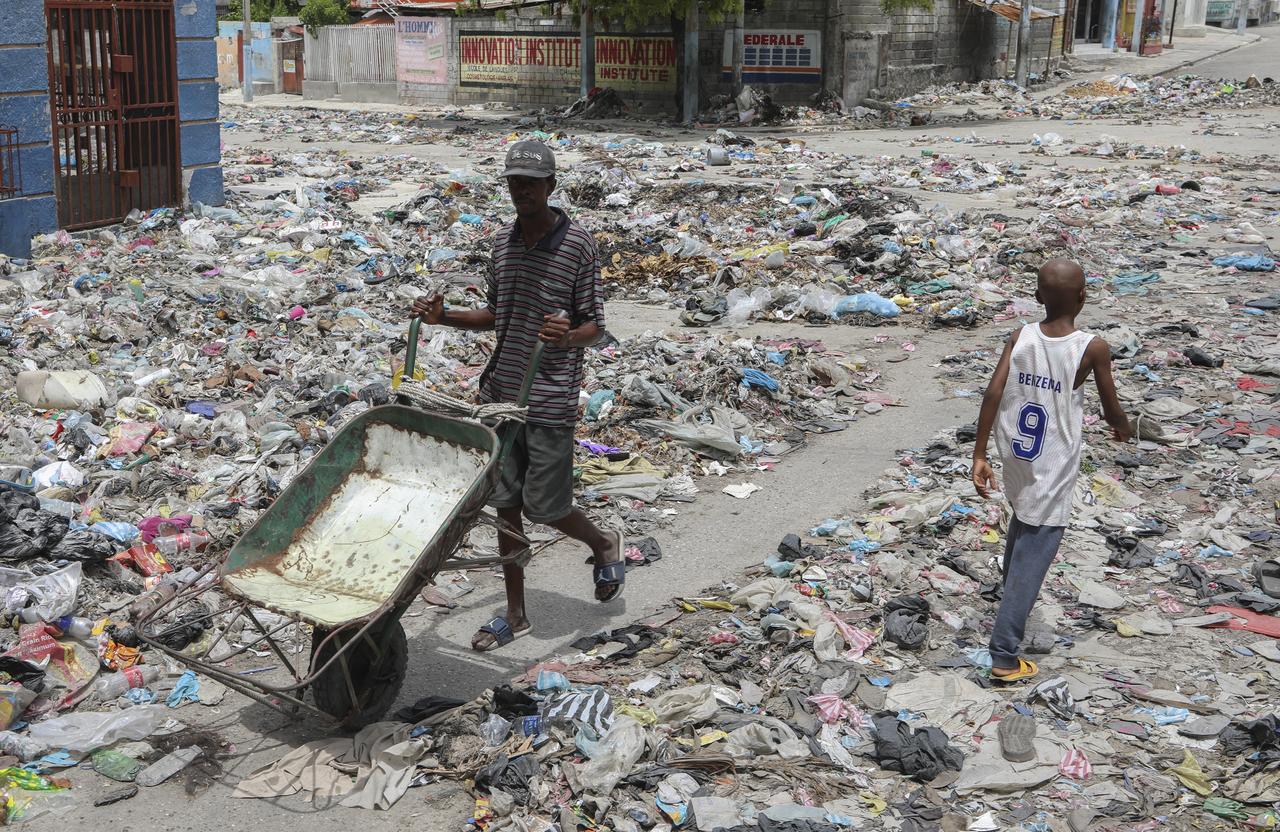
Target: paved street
[(718, 538)]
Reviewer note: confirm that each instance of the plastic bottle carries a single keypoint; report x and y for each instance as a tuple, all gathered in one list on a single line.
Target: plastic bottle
[(22, 747), (115, 684), (153, 600), (192, 541), (78, 628)]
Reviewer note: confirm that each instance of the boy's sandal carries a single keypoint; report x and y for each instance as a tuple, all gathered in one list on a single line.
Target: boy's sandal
[(501, 632), (1026, 670), (612, 574)]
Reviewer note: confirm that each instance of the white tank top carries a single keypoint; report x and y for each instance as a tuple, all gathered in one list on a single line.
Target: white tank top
[(1039, 425)]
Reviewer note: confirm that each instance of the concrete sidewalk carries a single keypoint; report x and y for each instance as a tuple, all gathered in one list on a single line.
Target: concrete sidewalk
[(1187, 51)]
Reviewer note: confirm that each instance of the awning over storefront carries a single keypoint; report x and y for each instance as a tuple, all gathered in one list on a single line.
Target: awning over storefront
[(1012, 11)]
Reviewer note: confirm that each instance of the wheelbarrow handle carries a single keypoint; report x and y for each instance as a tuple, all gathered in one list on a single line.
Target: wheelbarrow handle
[(411, 359), (411, 352)]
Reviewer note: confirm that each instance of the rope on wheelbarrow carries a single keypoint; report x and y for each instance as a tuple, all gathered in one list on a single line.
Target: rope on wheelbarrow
[(427, 399)]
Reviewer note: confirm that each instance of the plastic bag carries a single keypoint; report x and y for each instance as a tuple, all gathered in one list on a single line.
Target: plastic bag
[(642, 392), (23, 805), (819, 301), (275, 277), (866, 302), (116, 765), (22, 747), (58, 473), (685, 247), (714, 435), (619, 749), (14, 699), (743, 306), (598, 405), (694, 704), (49, 597), (82, 733), (906, 622), (440, 256), (495, 730)]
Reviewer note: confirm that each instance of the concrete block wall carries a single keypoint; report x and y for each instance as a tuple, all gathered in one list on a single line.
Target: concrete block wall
[(1005, 46), (538, 86), (263, 60), (546, 86), (200, 138), (954, 41), (820, 15), (437, 94), (24, 104)]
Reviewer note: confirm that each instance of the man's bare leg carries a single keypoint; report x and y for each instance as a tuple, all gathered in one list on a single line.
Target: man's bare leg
[(577, 525), (509, 542)]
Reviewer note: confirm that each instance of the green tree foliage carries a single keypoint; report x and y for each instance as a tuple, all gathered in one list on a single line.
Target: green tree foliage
[(891, 6), (319, 13), (263, 10), (635, 13)]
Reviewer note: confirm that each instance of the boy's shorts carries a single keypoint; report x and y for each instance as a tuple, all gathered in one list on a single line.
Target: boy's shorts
[(537, 473)]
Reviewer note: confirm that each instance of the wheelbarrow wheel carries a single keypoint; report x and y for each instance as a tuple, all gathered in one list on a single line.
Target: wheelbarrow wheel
[(376, 665)]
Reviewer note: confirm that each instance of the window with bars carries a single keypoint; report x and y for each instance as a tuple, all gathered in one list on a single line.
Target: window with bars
[(777, 56), (10, 164)]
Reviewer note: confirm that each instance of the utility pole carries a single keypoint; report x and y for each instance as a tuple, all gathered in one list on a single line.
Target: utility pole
[(739, 25), (1242, 15), (1110, 8), (1139, 12), (691, 63), (1024, 45), (247, 60), (588, 59)]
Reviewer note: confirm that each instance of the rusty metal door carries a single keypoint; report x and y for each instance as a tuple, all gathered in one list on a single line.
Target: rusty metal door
[(291, 66), (114, 93)]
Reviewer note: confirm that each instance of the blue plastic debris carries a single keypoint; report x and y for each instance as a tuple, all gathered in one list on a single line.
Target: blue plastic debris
[(187, 690), (1247, 262), (755, 378)]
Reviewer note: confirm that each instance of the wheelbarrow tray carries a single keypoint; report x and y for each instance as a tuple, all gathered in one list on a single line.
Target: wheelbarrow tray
[(369, 522)]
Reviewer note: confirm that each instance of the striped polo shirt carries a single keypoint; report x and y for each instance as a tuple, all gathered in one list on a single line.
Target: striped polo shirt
[(561, 272)]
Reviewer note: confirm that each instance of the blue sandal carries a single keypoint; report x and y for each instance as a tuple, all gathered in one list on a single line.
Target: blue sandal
[(501, 632), (612, 574)]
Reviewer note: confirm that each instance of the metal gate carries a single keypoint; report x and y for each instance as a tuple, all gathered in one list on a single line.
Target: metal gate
[(113, 84)]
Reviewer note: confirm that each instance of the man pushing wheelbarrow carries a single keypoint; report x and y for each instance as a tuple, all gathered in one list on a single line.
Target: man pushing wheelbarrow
[(544, 266)]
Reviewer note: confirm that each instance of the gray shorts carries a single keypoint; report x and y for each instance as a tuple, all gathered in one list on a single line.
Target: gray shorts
[(537, 474)]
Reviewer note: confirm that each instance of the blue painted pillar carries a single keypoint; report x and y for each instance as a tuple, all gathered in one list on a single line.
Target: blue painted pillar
[(200, 134), (1110, 8), (24, 105)]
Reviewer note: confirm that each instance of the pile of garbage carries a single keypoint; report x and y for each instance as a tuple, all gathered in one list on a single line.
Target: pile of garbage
[(1156, 97), (846, 681), (995, 90), (166, 379)]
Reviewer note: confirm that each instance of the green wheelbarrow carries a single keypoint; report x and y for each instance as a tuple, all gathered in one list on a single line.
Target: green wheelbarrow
[(344, 550)]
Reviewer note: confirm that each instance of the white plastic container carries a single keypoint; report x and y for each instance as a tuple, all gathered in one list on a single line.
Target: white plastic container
[(69, 389)]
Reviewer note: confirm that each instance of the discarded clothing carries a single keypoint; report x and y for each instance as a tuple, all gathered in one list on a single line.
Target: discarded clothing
[(906, 622), (920, 754), (382, 757)]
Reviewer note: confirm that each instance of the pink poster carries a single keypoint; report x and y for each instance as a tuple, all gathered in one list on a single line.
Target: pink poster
[(422, 50)]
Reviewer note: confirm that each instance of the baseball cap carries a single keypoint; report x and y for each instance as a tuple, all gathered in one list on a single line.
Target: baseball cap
[(530, 158)]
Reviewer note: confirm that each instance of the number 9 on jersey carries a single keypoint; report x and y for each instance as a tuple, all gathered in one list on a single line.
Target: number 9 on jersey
[(1032, 421)]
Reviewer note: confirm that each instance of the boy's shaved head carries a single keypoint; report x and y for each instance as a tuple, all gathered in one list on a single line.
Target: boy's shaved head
[(1060, 286)]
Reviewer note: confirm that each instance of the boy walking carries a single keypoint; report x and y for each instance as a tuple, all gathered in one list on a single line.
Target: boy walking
[(1035, 401), (544, 266)]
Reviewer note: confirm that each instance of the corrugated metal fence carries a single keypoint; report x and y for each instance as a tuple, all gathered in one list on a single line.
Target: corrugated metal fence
[(352, 54)]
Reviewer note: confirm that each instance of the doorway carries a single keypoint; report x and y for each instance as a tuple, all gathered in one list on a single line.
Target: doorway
[(113, 87), (1089, 21)]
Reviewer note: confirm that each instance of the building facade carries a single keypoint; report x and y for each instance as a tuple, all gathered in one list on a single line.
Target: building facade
[(852, 48), (109, 107)]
